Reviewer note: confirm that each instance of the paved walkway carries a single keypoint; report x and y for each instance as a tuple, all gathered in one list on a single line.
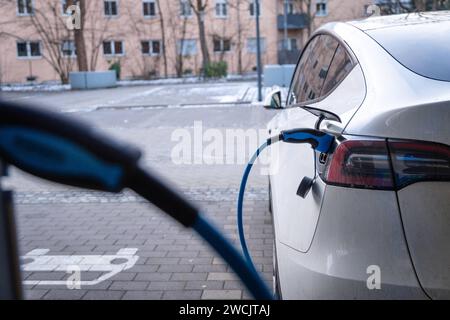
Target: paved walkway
[(173, 263)]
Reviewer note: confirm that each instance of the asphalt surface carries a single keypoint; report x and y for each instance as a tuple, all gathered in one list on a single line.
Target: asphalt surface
[(151, 128), (58, 224)]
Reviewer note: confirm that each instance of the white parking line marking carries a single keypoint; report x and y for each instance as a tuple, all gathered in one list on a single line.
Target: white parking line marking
[(103, 263)]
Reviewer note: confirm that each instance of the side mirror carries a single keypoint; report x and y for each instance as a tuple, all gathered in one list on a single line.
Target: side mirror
[(273, 99)]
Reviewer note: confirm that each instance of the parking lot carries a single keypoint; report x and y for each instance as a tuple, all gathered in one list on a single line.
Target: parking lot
[(97, 233)]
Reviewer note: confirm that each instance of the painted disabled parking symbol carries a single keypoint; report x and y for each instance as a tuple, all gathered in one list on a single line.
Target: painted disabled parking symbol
[(38, 261)]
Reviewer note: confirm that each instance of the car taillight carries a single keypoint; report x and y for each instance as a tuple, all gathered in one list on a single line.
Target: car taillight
[(360, 164), (386, 165), (419, 161)]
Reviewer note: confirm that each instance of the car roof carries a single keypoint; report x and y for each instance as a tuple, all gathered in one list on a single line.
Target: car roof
[(400, 20), (418, 41)]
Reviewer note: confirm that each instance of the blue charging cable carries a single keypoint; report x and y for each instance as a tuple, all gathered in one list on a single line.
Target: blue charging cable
[(319, 141), (240, 219)]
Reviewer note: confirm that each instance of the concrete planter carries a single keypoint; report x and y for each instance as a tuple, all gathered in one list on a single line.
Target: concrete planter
[(92, 80), (278, 75)]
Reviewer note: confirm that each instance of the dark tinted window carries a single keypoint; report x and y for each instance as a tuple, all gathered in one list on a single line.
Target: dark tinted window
[(340, 67), (156, 47), (226, 45), (110, 8), (422, 48), (145, 45), (107, 47), (149, 8), (217, 47), (313, 69), (118, 47), (22, 49), (35, 49)]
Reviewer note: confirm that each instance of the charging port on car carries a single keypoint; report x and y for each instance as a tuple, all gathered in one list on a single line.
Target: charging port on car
[(323, 158)]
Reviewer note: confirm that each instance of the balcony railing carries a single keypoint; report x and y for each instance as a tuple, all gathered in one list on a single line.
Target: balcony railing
[(294, 21)]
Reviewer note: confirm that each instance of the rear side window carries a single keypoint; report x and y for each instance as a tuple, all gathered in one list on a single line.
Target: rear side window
[(299, 76), (340, 66), (422, 48), (313, 69)]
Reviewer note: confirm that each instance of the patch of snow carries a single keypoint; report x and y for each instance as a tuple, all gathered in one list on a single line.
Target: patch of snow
[(242, 77), (227, 99), (125, 83), (55, 86), (207, 105), (186, 80), (252, 94), (48, 87)]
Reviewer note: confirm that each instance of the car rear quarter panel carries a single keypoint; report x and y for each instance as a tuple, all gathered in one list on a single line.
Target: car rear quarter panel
[(357, 228), (425, 209)]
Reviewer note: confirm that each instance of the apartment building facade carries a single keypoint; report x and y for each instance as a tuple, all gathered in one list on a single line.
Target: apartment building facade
[(151, 38)]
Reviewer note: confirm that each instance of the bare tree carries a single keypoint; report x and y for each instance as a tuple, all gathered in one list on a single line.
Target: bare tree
[(237, 6), (48, 23), (179, 48), (177, 28), (53, 33), (95, 32), (239, 35), (310, 15), (399, 6), (163, 36), (199, 7), (235, 35), (80, 44), (146, 67)]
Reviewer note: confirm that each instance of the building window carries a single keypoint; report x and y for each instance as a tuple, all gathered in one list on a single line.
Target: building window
[(185, 8), (152, 47), (29, 49), (111, 8), (251, 45), (290, 7), (221, 8), (68, 48), (222, 45), (149, 8), (187, 47), (113, 48), (291, 44), (252, 9), (321, 8), (25, 7)]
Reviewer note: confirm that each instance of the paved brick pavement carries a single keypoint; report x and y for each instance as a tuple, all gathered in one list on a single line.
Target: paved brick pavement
[(173, 263)]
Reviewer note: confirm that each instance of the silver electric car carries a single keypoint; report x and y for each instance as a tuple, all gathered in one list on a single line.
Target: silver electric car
[(371, 218)]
